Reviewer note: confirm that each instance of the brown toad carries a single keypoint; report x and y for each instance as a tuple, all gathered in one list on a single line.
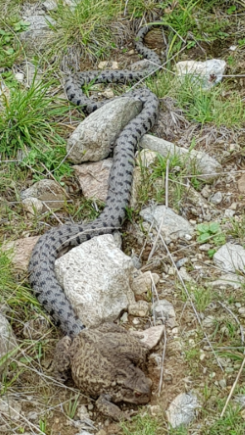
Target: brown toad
[(105, 364)]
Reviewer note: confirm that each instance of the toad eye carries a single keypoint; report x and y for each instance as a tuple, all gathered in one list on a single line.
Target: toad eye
[(137, 393)]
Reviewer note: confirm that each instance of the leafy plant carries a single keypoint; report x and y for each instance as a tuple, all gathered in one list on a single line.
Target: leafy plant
[(210, 232), (9, 43)]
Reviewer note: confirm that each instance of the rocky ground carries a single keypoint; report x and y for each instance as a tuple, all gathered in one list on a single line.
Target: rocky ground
[(178, 263)]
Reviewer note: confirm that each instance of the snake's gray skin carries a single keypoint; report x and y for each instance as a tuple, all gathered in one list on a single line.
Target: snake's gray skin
[(41, 267)]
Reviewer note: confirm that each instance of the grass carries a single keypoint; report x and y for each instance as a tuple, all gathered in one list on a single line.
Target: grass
[(86, 26), (140, 425), (28, 122)]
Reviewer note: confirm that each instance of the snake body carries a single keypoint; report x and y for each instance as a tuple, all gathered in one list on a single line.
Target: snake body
[(42, 263)]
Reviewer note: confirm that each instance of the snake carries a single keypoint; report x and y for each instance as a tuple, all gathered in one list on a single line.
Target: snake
[(41, 268)]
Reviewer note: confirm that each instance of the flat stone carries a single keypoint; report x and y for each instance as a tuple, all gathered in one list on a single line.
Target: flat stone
[(150, 336), (230, 258), (182, 409), (172, 225), (207, 167), (93, 179), (7, 340), (19, 251), (95, 277)]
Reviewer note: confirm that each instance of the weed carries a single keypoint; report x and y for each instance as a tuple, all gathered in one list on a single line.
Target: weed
[(231, 424), (71, 406), (210, 232), (140, 425), (144, 8), (9, 43), (86, 26), (27, 123), (237, 227)]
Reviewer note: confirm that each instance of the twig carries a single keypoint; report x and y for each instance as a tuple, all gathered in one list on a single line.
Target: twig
[(233, 388)]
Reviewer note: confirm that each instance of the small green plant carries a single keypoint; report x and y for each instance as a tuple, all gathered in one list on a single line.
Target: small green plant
[(140, 425), (9, 43), (71, 406), (43, 426), (210, 232)]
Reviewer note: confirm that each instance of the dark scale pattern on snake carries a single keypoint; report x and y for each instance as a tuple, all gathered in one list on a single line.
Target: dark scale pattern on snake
[(41, 267)]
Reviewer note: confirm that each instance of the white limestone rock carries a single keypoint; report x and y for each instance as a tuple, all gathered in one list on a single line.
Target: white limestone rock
[(172, 225), (96, 135), (95, 277)]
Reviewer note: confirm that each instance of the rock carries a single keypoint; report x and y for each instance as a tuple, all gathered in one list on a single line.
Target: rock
[(95, 276), (48, 192), (229, 213), (181, 262), (32, 206), (216, 198), (163, 310), (43, 187), (82, 413), (207, 167), (19, 77), (142, 282), (209, 322), (146, 158), (7, 340), (20, 251), (207, 73), (182, 409), (139, 309), (49, 5), (230, 258), (241, 184), (136, 186), (10, 408), (93, 179), (150, 336), (38, 31), (95, 136), (241, 311), (155, 410), (185, 275), (172, 225), (229, 280), (124, 317), (108, 65)]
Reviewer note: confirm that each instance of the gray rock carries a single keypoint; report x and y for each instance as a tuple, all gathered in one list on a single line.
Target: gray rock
[(207, 73), (163, 310), (42, 187), (150, 336), (172, 225), (95, 277), (7, 340), (216, 198), (94, 137), (93, 178), (32, 206), (182, 409), (230, 258), (229, 280), (207, 167)]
